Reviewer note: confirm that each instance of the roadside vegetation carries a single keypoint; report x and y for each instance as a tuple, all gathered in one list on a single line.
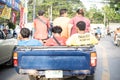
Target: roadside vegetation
[(109, 13)]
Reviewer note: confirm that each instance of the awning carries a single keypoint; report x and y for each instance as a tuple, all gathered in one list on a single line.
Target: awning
[(3, 1), (16, 6), (9, 3), (12, 4)]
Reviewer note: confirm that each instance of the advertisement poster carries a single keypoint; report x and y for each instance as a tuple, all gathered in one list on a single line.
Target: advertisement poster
[(6, 13)]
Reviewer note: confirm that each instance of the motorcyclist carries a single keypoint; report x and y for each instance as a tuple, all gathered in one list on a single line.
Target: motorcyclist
[(98, 33), (116, 32)]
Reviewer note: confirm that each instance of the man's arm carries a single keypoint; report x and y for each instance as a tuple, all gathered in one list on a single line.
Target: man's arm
[(93, 40)]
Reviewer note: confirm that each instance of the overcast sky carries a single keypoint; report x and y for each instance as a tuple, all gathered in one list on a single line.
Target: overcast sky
[(93, 3)]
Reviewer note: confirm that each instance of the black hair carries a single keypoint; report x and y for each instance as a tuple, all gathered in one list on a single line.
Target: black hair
[(81, 25), (41, 12), (80, 11), (98, 27), (56, 29), (63, 11), (2, 36), (25, 32)]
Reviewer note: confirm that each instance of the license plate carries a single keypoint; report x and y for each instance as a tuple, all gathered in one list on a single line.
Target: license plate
[(54, 74)]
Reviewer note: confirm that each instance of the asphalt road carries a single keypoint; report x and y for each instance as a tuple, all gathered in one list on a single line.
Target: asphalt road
[(107, 64), (108, 60)]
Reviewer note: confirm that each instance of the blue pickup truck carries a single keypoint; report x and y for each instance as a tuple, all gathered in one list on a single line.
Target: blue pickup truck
[(43, 62)]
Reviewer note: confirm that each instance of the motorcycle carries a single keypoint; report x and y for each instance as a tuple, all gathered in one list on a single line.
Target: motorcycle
[(117, 41), (98, 36)]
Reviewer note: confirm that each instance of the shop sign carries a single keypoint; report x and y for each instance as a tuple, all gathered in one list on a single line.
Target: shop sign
[(14, 17), (1, 6), (16, 6), (6, 12), (4, 1), (22, 22)]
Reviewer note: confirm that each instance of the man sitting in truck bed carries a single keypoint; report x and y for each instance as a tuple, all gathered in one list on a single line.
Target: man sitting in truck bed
[(25, 40), (81, 38), (56, 39)]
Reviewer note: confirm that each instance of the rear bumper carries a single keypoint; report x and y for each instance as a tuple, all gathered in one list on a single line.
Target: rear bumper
[(65, 73)]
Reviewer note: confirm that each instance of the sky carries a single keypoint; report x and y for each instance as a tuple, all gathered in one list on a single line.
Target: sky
[(92, 3)]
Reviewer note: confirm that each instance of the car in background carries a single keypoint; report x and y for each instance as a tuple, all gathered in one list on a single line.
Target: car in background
[(7, 46)]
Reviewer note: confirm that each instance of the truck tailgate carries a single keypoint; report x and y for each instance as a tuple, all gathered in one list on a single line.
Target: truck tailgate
[(54, 59)]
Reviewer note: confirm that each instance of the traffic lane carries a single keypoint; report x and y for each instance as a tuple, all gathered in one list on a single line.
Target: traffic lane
[(113, 58), (114, 62), (9, 73), (102, 70), (98, 71), (115, 68)]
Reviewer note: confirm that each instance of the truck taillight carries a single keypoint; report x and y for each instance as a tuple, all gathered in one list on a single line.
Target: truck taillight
[(93, 59), (15, 59)]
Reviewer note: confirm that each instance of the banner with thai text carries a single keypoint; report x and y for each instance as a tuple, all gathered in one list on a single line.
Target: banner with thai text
[(6, 13), (22, 20), (14, 17)]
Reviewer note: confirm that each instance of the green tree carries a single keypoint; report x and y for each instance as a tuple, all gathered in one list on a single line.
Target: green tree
[(111, 14), (95, 15), (115, 5), (56, 5)]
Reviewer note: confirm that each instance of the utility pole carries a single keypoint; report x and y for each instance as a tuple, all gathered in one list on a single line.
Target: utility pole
[(34, 9), (105, 19), (51, 13), (26, 11)]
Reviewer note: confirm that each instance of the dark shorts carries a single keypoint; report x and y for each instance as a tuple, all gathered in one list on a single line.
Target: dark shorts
[(97, 34)]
